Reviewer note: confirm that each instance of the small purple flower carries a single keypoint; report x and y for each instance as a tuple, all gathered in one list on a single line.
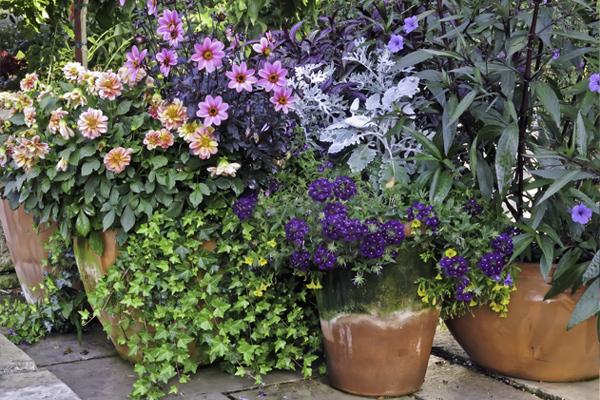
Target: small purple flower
[(353, 230), (555, 54), (335, 208), (320, 189), (410, 24), (324, 259), (503, 244), (461, 295), (594, 84), (581, 214), (508, 280), (300, 260), (432, 222), (396, 43), (332, 226), (473, 208), (326, 165), (373, 246), (492, 264), (456, 266), (244, 205), (416, 206), (393, 232), (344, 187), (166, 59), (296, 230)]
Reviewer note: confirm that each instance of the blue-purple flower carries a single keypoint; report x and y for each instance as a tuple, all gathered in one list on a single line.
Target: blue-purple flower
[(296, 230), (332, 226), (473, 208), (320, 189), (456, 266), (335, 208), (244, 205), (344, 187), (594, 84), (581, 214), (393, 232), (555, 54), (300, 260), (324, 258), (373, 246), (461, 295), (410, 24), (396, 43), (353, 230), (503, 244), (492, 264)]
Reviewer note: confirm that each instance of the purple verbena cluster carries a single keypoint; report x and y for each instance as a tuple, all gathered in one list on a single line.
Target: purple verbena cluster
[(492, 263), (244, 206), (461, 294), (296, 230), (322, 189), (473, 208), (423, 213), (456, 266)]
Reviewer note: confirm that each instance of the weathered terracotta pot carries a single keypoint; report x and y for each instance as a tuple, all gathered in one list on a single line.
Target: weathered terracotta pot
[(377, 336), (532, 341), (92, 267), (26, 246)]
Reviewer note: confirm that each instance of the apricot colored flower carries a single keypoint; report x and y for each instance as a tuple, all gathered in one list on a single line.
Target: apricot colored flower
[(172, 115), (117, 159), (129, 79), (92, 123), (213, 110), (55, 117), (22, 157), (65, 131), (241, 78), (161, 138), (108, 85), (62, 165), (188, 129), (29, 81), (208, 55), (73, 71), (203, 145)]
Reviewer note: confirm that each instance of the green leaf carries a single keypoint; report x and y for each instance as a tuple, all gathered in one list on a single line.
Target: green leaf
[(506, 156), (90, 166), (158, 161), (440, 186), (108, 220), (462, 106), (413, 58), (428, 144), (588, 305), (593, 270), (82, 224), (87, 150), (127, 219), (547, 247), (473, 158), (571, 175), (124, 107), (196, 198), (549, 100), (580, 135)]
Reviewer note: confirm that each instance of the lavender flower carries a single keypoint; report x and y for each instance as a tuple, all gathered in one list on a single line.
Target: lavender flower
[(300, 260), (508, 280), (324, 259), (410, 24), (326, 165), (396, 43), (555, 54), (320, 189), (244, 205), (393, 232), (456, 266), (373, 246), (296, 230), (344, 188), (594, 84), (581, 214)]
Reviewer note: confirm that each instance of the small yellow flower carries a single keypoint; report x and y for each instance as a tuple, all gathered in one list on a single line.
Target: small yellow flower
[(262, 262), (261, 290), (473, 303), (438, 277), (421, 290), (272, 243), (258, 293), (416, 224), (450, 253), (314, 285), (249, 260)]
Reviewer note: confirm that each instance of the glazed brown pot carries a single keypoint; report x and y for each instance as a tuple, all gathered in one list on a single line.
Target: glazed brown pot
[(26, 246), (377, 336), (92, 267), (532, 341)]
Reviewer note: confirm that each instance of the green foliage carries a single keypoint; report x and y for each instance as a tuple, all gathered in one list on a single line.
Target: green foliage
[(60, 307), (183, 305)]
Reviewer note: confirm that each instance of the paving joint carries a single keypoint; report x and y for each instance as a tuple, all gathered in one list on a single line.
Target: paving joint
[(76, 361)]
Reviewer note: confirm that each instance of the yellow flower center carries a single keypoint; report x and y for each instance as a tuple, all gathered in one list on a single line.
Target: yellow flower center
[(207, 55)]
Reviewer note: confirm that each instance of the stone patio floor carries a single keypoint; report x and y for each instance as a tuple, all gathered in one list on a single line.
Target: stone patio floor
[(59, 368)]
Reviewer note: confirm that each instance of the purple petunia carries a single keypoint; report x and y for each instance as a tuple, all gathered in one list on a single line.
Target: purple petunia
[(332, 226), (300, 260), (396, 43), (296, 230), (410, 24), (324, 258), (393, 232), (344, 187), (373, 245), (456, 266), (320, 189), (555, 54), (594, 84), (581, 214), (244, 205)]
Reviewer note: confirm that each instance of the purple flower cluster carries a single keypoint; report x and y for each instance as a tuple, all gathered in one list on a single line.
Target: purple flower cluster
[(244, 206), (323, 189), (492, 263), (473, 208), (461, 295), (424, 214), (296, 230), (393, 232), (324, 258), (373, 245), (300, 260), (456, 266)]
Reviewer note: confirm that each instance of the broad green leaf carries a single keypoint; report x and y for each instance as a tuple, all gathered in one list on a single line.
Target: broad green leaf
[(462, 106), (108, 220), (506, 156), (158, 161), (196, 198), (473, 158), (124, 107), (549, 100), (547, 256), (127, 219), (82, 224), (440, 186), (593, 270), (580, 135), (427, 144), (571, 175), (587, 306), (90, 166), (413, 58)]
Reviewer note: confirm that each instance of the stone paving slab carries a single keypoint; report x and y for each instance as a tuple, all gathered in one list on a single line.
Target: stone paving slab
[(13, 359), (37, 385), (58, 349)]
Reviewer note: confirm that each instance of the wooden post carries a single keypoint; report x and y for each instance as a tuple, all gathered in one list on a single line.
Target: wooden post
[(80, 14)]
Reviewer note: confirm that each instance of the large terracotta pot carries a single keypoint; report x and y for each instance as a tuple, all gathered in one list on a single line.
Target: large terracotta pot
[(92, 267), (532, 341), (377, 336), (26, 246)]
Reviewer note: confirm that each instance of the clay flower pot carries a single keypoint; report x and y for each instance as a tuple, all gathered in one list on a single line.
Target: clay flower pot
[(377, 336), (532, 341), (26, 247), (92, 267)]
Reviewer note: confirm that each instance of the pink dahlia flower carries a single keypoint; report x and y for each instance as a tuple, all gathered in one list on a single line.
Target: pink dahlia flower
[(241, 78), (282, 99), (208, 55), (213, 110), (108, 85), (92, 123), (117, 159), (272, 75), (170, 27), (166, 58), (203, 145), (134, 60), (264, 47)]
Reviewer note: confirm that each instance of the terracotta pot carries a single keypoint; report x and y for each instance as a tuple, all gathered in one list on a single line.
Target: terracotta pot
[(377, 336), (92, 267), (26, 247), (532, 341)]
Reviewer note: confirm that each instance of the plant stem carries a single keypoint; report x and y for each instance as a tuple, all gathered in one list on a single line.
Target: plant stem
[(523, 116)]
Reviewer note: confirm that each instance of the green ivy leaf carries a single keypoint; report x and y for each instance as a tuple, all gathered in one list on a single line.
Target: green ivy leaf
[(196, 198)]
